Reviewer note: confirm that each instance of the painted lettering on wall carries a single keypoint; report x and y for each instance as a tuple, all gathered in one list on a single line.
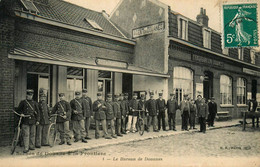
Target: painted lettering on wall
[(150, 29), (208, 61)]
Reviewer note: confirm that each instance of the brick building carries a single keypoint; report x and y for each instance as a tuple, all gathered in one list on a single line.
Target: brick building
[(191, 53), (60, 47)]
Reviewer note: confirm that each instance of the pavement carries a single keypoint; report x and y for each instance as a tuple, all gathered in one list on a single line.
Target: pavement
[(101, 142)]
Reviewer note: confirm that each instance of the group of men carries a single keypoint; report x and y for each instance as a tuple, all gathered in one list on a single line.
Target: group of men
[(121, 114)]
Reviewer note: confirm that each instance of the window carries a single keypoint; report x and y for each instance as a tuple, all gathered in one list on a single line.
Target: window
[(225, 89), (206, 38), (182, 82), (74, 81), (241, 91), (30, 6), (252, 56), (183, 29), (94, 24), (241, 53)]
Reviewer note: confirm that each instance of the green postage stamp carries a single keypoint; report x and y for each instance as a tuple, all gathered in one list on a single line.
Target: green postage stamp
[(240, 25)]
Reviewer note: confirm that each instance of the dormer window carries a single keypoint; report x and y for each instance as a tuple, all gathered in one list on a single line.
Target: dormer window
[(29, 5), (206, 38), (183, 28), (240, 53), (94, 24), (252, 56)]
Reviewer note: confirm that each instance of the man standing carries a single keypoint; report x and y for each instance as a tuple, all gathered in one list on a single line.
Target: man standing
[(213, 109), (202, 114), (62, 108), (152, 112), (42, 128), (132, 117), (185, 112), (142, 106), (199, 97), (110, 116), (87, 103), (99, 109), (172, 106), (193, 113), (124, 110), (29, 107), (118, 115), (252, 108), (161, 106), (78, 118)]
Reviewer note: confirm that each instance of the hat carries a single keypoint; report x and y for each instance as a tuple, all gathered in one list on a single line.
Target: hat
[(172, 94), (29, 92), (135, 94), (77, 93), (109, 95), (84, 91), (42, 95), (126, 94), (199, 96), (61, 94), (151, 93), (142, 95), (160, 94), (99, 94)]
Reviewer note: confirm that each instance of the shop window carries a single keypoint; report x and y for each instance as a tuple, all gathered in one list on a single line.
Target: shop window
[(252, 56), (105, 83), (182, 82), (225, 89), (75, 77), (241, 91), (183, 28), (206, 38), (241, 53)]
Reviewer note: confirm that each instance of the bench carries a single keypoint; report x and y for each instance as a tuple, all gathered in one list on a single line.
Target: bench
[(223, 116)]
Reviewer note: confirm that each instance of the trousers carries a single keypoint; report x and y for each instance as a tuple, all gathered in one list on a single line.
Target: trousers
[(171, 120), (118, 126), (112, 126), (185, 119), (123, 124), (202, 121), (87, 125), (28, 133), (131, 123), (161, 117), (152, 119), (64, 130), (41, 135), (103, 123), (79, 129)]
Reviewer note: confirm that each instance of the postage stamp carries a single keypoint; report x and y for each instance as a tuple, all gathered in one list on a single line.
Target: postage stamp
[(240, 25)]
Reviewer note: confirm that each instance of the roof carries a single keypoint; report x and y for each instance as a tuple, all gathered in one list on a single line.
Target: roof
[(65, 12)]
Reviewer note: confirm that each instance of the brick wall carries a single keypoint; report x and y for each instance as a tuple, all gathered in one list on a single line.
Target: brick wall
[(6, 80)]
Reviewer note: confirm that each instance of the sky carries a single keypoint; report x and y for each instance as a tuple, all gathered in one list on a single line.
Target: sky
[(188, 8)]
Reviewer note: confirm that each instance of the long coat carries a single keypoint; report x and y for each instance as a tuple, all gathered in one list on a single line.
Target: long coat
[(99, 110), (172, 106), (161, 105), (62, 108), (151, 106), (117, 109), (87, 106), (202, 110), (133, 105), (44, 113), (77, 105), (109, 110), (213, 109), (29, 107), (124, 108)]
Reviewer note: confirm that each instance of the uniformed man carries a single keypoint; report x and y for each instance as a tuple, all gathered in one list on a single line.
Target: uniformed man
[(110, 116), (63, 109), (29, 107), (142, 106), (213, 109), (252, 108), (172, 106), (193, 113), (99, 109), (199, 97), (185, 112), (78, 117), (123, 113), (87, 102), (118, 115), (132, 116), (202, 114), (42, 128), (151, 106), (126, 107), (161, 107)]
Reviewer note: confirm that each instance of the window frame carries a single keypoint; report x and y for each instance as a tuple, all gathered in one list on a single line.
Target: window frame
[(226, 86), (180, 32), (204, 29), (240, 53), (239, 86), (252, 61)]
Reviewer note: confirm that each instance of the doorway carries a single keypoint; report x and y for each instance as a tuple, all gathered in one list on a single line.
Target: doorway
[(208, 85), (127, 84), (105, 83), (254, 88)]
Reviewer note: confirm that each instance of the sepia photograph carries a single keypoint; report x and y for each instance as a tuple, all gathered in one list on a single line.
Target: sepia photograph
[(129, 83)]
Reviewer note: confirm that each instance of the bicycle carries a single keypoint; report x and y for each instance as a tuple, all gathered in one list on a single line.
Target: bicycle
[(17, 132), (140, 122), (52, 133)]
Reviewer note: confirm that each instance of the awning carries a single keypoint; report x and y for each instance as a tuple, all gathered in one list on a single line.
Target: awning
[(75, 61)]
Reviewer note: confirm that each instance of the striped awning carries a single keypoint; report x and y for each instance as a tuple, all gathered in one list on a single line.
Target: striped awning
[(76, 61)]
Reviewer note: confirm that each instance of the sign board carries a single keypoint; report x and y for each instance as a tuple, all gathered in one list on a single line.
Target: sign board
[(150, 29), (208, 61), (111, 63), (240, 25), (251, 72)]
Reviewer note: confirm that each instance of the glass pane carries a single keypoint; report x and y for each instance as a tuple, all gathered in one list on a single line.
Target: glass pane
[(100, 85), (37, 67), (75, 71), (104, 74), (78, 85)]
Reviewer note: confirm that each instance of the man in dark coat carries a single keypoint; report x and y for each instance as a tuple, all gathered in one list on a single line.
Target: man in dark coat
[(87, 103), (193, 114), (202, 114), (161, 107), (132, 117), (252, 108), (185, 112), (142, 106), (62, 108), (213, 109), (99, 109), (42, 128), (110, 116), (78, 118), (151, 106), (118, 115), (29, 107), (124, 110), (172, 106)]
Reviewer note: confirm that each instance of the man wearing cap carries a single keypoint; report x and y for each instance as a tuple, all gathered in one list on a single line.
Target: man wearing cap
[(142, 106), (110, 115), (172, 106), (193, 113), (213, 109), (42, 128), (78, 116), (185, 112), (199, 97), (118, 115), (132, 117), (29, 107), (123, 113), (151, 106), (99, 109), (161, 107), (87, 103), (63, 109), (202, 115)]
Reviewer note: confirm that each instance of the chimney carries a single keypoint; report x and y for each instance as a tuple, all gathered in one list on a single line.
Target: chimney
[(105, 14), (202, 18)]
